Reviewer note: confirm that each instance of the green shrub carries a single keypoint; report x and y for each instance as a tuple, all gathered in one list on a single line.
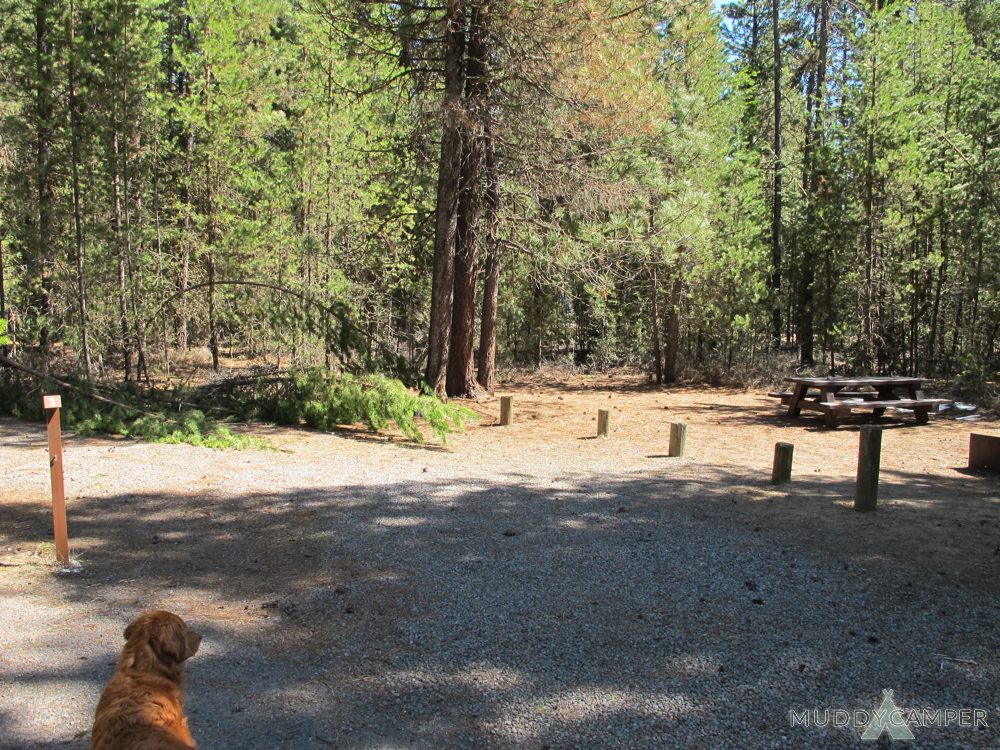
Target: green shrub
[(88, 416), (320, 401), (310, 397)]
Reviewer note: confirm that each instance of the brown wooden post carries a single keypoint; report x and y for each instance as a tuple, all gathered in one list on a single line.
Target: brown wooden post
[(781, 472), (52, 404), (869, 459), (506, 410), (984, 451), (603, 422), (678, 439)]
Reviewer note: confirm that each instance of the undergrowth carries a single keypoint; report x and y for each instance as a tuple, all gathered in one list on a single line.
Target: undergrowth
[(133, 417), (312, 398), (321, 401)]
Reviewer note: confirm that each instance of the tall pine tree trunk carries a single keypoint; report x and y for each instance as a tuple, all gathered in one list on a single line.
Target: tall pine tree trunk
[(42, 253), (116, 193), (461, 380), (4, 348), (868, 287), (486, 375), (814, 140), (446, 211), (655, 320), (778, 168), (673, 327), (187, 230), (76, 134), (211, 230)]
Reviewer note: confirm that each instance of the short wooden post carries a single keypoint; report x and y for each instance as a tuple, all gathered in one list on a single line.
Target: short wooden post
[(984, 451), (506, 410), (52, 404), (869, 459), (603, 422), (678, 438), (781, 472)]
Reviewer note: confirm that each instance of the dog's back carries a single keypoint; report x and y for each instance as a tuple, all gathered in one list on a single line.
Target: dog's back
[(142, 707)]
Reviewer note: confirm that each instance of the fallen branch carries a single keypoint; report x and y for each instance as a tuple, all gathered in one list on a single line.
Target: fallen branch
[(7, 362)]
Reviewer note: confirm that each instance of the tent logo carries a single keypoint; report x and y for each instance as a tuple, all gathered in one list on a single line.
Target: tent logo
[(887, 718)]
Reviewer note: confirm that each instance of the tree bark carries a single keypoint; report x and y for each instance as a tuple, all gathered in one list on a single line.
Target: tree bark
[(867, 292), (486, 375), (211, 230), (116, 192), (673, 328), (776, 201), (657, 353), (187, 223), (446, 211), (4, 348), (814, 140), (461, 380), (43, 170), (76, 127)]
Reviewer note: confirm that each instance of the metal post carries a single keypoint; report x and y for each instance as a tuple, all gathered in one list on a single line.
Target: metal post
[(52, 404)]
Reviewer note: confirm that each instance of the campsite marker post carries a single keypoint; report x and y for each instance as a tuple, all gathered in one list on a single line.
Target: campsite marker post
[(869, 458), (506, 410), (603, 423), (678, 439), (781, 470), (52, 404)]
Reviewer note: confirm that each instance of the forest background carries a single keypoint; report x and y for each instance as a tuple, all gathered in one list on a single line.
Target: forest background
[(425, 189)]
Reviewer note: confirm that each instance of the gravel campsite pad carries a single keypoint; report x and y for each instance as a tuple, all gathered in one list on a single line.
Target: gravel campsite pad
[(524, 586)]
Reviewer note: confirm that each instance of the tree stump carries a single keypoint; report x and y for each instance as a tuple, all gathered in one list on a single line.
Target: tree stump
[(678, 439), (781, 472)]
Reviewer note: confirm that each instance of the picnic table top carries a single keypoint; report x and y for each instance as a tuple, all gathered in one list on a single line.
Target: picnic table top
[(854, 382)]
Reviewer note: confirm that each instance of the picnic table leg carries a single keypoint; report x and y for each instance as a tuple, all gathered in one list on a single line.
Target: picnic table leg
[(920, 412), (885, 393), (828, 396), (798, 393)]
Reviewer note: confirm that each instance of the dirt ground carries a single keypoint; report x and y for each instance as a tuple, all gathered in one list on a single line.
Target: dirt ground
[(307, 556)]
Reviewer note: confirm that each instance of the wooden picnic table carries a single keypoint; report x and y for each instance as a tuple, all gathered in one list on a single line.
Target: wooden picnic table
[(838, 397)]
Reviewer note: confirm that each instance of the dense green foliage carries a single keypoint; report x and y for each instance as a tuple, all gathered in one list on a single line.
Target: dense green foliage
[(119, 411), (155, 152), (313, 398)]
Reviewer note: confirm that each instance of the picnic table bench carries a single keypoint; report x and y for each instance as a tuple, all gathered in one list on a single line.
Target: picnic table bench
[(838, 397)]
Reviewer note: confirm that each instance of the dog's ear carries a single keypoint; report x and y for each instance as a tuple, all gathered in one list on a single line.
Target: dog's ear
[(169, 641), (131, 629)]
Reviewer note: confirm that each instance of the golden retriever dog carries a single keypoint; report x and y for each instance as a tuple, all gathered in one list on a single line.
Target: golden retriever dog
[(142, 708)]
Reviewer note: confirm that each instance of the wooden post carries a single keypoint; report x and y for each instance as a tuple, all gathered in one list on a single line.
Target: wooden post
[(678, 438), (781, 472), (869, 458), (603, 422), (984, 451), (506, 410), (52, 404)]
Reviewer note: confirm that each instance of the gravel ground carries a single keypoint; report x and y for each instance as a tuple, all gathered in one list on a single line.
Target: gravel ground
[(524, 587)]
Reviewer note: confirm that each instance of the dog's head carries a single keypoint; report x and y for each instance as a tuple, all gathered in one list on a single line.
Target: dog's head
[(162, 638)]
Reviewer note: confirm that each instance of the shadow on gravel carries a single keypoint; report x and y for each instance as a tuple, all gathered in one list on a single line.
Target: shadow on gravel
[(653, 612)]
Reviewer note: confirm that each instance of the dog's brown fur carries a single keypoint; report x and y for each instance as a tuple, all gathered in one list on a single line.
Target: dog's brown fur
[(142, 708)]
